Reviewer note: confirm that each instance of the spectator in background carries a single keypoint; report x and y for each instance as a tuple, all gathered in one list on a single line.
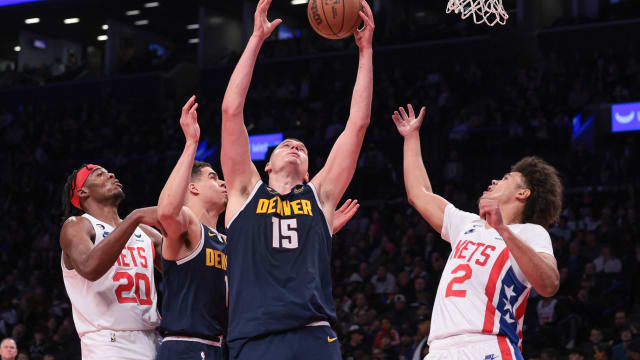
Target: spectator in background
[(595, 338), (620, 350), (383, 281), (607, 262), (387, 330), (355, 344), (420, 340), (8, 349)]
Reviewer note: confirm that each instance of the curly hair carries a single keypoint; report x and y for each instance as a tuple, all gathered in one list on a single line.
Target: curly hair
[(544, 205)]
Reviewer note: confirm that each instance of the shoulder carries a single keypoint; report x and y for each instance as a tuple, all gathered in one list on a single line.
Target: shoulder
[(76, 225)]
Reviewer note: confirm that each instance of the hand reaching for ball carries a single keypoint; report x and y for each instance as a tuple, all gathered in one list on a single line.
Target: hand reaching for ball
[(262, 28), (364, 37)]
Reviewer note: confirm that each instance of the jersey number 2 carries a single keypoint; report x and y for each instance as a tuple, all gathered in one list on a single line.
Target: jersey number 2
[(466, 275), (285, 233), (140, 279)]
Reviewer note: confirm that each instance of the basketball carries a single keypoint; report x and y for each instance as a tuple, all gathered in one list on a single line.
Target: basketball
[(334, 19)]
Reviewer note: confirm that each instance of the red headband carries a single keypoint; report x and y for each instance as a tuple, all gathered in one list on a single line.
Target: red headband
[(78, 183)]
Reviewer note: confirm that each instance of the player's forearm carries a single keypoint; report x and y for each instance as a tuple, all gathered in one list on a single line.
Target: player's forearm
[(236, 93), (415, 174), (98, 261), (174, 191), (541, 273), (360, 113)]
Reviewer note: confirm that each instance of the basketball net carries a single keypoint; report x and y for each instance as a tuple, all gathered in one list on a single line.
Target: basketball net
[(489, 12)]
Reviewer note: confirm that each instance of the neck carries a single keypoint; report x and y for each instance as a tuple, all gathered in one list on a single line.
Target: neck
[(107, 213), (511, 213), (282, 182), (208, 217)]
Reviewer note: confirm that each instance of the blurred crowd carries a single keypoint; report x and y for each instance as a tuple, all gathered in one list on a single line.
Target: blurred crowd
[(483, 115)]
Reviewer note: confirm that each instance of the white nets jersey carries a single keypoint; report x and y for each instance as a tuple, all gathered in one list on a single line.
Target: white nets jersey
[(124, 298), (482, 289)]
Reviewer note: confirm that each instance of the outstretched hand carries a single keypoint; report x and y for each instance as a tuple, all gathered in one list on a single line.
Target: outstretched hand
[(408, 123), (364, 36), (262, 28), (189, 120), (344, 214)]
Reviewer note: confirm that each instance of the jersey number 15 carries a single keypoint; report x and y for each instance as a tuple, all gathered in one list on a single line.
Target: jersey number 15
[(285, 234)]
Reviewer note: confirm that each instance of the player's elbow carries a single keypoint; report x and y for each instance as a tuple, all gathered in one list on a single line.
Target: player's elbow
[(165, 215), (550, 288), (230, 108), (89, 273)]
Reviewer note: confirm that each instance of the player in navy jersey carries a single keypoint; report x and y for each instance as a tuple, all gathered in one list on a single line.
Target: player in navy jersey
[(194, 308), (279, 238), (194, 260)]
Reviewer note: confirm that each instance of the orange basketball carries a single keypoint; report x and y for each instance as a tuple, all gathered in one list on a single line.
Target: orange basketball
[(334, 19)]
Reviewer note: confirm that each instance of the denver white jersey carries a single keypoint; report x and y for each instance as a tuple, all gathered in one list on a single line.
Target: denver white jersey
[(482, 289), (124, 298)]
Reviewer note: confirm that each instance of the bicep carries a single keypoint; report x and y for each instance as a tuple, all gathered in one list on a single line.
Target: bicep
[(235, 155), (335, 176), (174, 242), (432, 208)]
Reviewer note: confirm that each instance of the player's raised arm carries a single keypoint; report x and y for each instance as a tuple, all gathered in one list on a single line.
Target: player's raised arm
[(178, 222), (416, 181), (90, 261), (239, 172), (335, 176)]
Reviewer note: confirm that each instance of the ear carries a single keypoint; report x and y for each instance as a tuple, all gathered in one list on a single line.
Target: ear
[(306, 177), (193, 189), (267, 167), (82, 193), (523, 194)]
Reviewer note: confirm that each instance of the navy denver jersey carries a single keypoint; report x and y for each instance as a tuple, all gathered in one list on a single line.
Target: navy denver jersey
[(279, 264), (195, 288)]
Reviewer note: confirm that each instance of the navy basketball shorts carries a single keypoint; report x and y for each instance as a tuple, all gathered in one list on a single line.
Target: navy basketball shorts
[(190, 350), (306, 343)]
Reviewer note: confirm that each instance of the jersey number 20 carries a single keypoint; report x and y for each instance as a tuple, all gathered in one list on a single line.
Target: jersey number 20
[(285, 234), (140, 279)]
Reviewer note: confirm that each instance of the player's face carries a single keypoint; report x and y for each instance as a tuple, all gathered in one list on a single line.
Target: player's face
[(103, 185), (506, 188), (212, 188), (8, 349), (289, 153)]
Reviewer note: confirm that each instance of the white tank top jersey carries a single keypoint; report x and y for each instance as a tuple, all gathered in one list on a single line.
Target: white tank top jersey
[(482, 289), (124, 298)]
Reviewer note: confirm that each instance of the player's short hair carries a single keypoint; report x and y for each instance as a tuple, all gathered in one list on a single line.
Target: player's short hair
[(544, 205), (196, 169)]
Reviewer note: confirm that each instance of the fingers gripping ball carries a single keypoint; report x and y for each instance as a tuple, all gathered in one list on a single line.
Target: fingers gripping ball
[(334, 19)]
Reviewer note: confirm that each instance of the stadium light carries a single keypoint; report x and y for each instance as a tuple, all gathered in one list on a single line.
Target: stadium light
[(152, 4), (193, 26), (17, 48), (105, 27), (194, 41), (32, 20), (141, 22), (71, 21), (102, 38), (132, 12), (299, 2)]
